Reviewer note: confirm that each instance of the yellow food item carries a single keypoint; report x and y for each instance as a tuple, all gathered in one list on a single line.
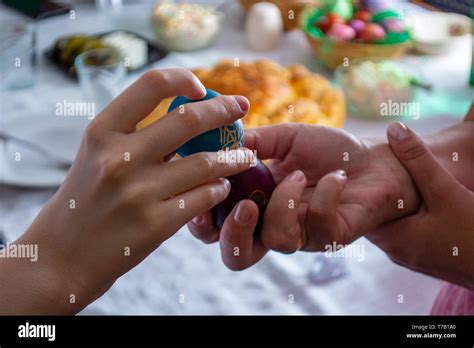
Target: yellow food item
[(276, 94)]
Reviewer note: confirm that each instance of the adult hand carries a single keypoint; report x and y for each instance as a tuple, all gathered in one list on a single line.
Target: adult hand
[(122, 197), (439, 239), (311, 208)]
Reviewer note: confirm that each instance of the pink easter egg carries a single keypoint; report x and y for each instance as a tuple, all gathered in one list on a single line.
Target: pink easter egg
[(341, 32), (372, 32), (358, 26)]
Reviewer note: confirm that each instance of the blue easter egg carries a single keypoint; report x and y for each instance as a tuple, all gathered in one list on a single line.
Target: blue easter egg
[(230, 136)]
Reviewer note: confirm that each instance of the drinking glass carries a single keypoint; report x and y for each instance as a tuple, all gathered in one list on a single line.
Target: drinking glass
[(131, 15), (17, 53), (100, 72)]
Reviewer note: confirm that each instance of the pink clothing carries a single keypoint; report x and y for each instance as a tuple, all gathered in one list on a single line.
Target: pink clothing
[(454, 300)]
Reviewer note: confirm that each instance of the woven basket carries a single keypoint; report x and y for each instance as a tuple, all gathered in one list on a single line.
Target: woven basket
[(290, 9), (334, 53)]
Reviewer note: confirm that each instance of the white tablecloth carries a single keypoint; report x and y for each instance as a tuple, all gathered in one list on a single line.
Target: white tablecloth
[(184, 266)]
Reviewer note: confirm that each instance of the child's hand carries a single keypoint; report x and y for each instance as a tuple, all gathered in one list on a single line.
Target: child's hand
[(122, 197)]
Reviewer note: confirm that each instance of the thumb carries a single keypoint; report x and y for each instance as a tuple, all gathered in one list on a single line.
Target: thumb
[(435, 182)]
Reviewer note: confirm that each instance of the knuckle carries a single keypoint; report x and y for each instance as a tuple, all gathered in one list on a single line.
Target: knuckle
[(317, 210), (190, 118), (135, 198), (205, 235), (211, 197), (278, 243), (228, 106), (155, 78), (93, 135), (413, 150), (111, 169), (188, 75), (204, 164)]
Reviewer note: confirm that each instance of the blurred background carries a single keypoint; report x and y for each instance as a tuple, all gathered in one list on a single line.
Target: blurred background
[(358, 65)]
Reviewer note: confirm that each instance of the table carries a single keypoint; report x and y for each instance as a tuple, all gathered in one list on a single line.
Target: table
[(185, 268)]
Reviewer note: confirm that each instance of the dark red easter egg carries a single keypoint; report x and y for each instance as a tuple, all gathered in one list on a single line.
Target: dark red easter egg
[(334, 18), (323, 24), (256, 184)]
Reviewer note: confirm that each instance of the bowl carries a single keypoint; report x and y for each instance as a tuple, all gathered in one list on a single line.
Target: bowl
[(332, 53), (377, 88), (185, 27), (439, 33)]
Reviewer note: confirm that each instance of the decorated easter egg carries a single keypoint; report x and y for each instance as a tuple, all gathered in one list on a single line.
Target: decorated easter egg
[(343, 8), (358, 26), (341, 32), (372, 32), (256, 184), (224, 137), (363, 15)]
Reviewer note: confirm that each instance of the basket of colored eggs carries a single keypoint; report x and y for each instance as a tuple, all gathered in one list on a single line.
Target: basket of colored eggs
[(341, 30)]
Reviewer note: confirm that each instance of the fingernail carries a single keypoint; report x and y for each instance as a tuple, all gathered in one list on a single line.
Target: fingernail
[(398, 131), (297, 175), (341, 173), (242, 215), (204, 90), (243, 103), (197, 220), (226, 183)]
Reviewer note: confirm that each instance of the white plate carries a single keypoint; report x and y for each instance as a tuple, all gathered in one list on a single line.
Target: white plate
[(59, 135)]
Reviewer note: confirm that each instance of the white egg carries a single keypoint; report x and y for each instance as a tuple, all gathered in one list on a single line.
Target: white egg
[(264, 27)]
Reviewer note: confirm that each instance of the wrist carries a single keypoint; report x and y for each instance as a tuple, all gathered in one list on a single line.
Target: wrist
[(454, 149), (48, 287), (402, 196), (29, 286)]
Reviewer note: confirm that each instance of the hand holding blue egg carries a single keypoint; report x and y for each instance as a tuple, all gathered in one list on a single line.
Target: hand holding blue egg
[(256, 184)]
